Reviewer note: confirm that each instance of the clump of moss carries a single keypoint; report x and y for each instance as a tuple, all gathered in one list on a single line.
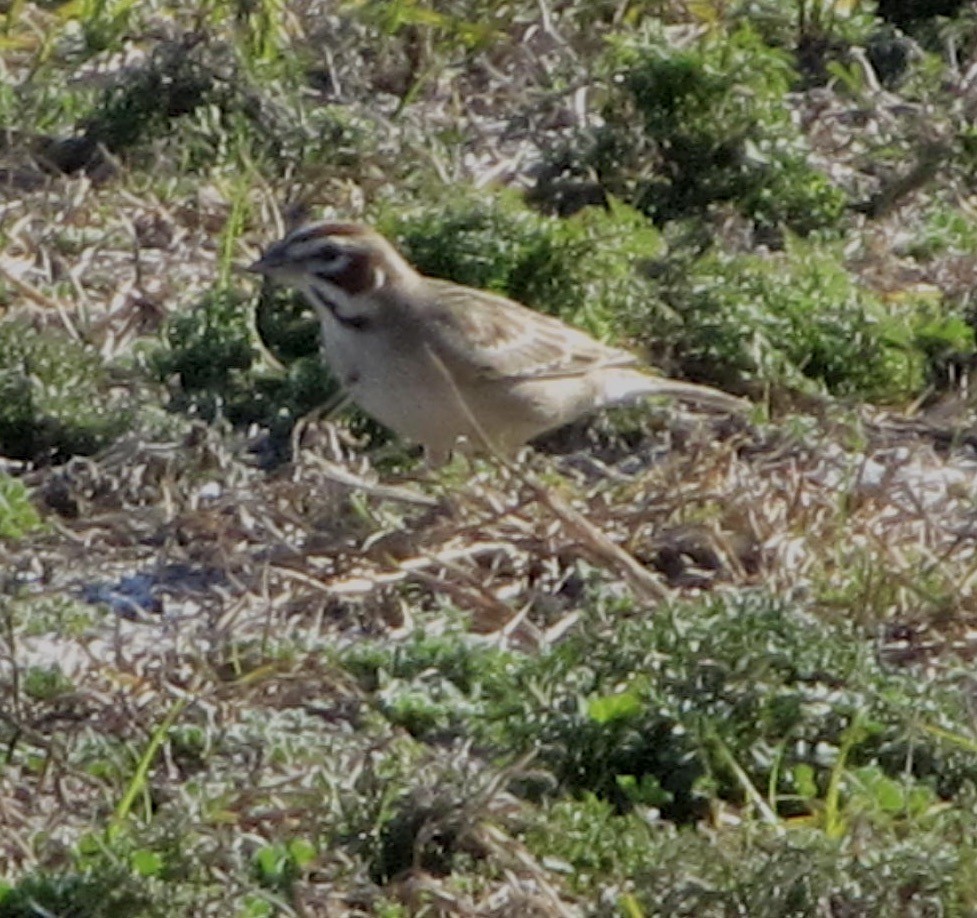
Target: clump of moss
[(194, 102), (173, 83), (57, 398), (688, 128), (96, 894), (687, 706), (209, 345), (687, 710), (798, 319), (214, 369), (760, 870)]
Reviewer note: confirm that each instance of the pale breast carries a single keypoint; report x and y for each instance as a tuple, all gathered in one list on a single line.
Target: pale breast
[(393, 383), (400, 383)]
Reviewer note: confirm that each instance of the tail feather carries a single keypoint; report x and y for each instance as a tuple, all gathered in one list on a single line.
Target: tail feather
[(626, 386)]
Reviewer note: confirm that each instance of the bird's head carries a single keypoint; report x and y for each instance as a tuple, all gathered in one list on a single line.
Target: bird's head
[(334, 265)]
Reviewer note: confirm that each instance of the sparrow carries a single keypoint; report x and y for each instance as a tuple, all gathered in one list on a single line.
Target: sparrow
[(436, 361)]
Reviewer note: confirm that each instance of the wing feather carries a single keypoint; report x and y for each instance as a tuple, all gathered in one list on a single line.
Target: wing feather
[(497, 338)]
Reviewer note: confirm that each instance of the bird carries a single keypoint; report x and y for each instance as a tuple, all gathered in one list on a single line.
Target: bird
[(438, 362)]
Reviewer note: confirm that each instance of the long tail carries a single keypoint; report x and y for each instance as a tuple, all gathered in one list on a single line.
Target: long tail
[(626, 386)]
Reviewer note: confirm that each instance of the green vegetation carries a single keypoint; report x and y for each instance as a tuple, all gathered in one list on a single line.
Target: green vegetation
[(214, 369), (708, 125), (808, 321), (18, 516), (581, 270), (56, 396), (720, 701), (810, 325), (99, 894), (765, 871)]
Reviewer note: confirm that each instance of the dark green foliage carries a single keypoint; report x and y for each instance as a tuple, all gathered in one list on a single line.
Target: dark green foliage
[(655, 711), (496, 245), (904, 13), (431, 686), (137, 109), (286, 324), (789, 319), (209, 343), (104, 893), (215, 369), (424, 830), (795, 319), (142, 870), (56, 397), (818, 37), (196, 99), (763, 871), (581, 269), (688, 129)]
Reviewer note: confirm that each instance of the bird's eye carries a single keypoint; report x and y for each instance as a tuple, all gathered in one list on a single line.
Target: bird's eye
[(329, 263)]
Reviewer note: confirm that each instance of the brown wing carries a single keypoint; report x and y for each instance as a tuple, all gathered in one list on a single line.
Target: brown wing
[(501, 339)]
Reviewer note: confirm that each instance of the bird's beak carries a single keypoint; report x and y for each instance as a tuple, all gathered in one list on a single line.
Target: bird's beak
[(270, 262)]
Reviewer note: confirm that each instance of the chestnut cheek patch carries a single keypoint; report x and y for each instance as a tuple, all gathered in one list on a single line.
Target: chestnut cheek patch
[(356, 277)]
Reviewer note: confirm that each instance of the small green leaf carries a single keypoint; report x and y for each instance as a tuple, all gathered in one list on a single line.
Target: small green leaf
[(270, 860), (17, 513), (646, 792), (146, 863), (884, 792), (302, 851), (804, 780), (256, 907), (950, 333), (608, 708)]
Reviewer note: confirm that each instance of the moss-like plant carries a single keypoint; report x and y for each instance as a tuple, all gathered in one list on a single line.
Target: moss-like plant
[(111, 891), (209, 344), (214, 368), (739, 700), (56, 396), (714, 699), (796, 319), (766, 871), (688, 128)]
